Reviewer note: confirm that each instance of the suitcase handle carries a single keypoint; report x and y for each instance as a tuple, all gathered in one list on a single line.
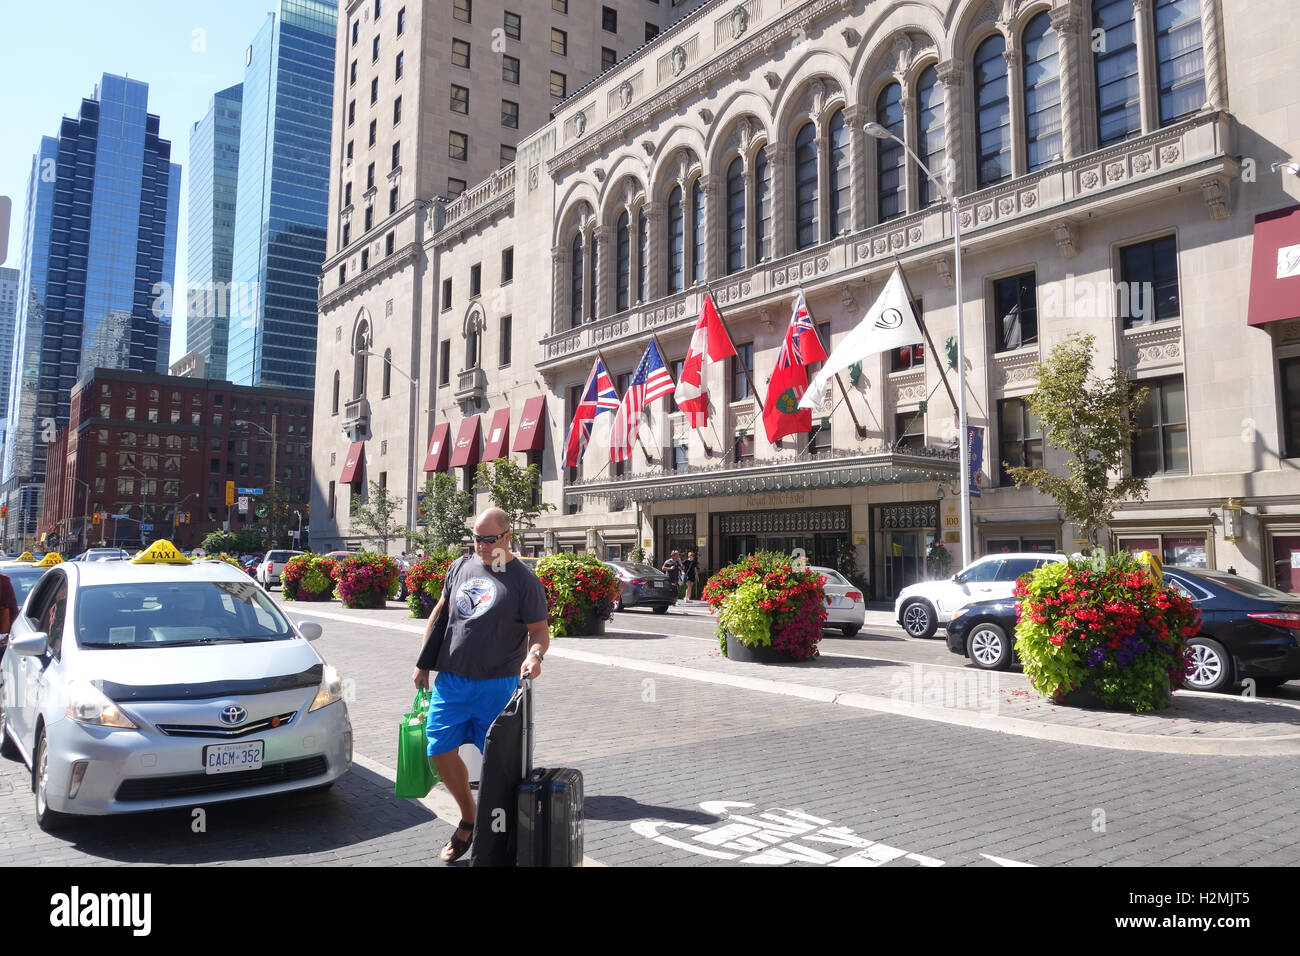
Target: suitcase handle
[(527, 748)]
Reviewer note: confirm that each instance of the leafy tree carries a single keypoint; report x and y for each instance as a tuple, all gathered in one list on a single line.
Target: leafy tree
[(1093, 420), (376, 518), (445, 510), (515, 490)]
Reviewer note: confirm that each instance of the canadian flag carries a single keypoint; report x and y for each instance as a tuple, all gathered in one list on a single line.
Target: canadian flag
[(710, 341)]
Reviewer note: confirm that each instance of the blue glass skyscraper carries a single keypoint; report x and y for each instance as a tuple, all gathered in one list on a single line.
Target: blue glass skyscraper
[(283, 195), (99, 253), (214, 178)]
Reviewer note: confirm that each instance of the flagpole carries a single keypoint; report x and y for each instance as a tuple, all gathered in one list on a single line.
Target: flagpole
[(857, 425), (925, 331), (832, 412)]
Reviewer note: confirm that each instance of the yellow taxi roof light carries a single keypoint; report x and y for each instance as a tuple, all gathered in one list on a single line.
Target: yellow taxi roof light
[(26, 556), (50, 560), (160, 552)]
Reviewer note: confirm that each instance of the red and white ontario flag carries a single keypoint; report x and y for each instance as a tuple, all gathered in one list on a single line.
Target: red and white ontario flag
[(710, 341)]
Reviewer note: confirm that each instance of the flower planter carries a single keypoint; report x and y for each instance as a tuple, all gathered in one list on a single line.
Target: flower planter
[(1085, 697), (591, 626), (368, 599), (763, 654)]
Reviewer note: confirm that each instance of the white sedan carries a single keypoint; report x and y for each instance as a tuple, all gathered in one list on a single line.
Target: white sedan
[(157, 682), (846, 607)]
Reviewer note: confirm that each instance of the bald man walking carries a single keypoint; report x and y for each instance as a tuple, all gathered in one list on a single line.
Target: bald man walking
[(496, 634)]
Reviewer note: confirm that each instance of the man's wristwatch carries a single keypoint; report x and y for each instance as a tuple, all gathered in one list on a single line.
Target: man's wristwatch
[(536, 654)]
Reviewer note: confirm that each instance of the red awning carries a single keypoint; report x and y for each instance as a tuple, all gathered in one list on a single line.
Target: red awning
[(1275, 267), (436, 459), (352, 465), (531, 434), (497, 443), (466, 450)]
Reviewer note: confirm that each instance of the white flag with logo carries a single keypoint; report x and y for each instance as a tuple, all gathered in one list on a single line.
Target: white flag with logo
[(889, 324)]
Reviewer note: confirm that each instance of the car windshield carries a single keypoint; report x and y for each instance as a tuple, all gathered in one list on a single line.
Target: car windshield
[(1245, 587), (175, 614), (23, 580), (831, 576)]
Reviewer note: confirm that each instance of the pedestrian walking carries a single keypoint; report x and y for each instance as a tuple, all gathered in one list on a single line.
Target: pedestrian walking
[(496, 634), (673, 568), (690, 570)]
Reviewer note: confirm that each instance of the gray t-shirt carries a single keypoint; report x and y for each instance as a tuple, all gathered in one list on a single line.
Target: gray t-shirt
[(488, 616)]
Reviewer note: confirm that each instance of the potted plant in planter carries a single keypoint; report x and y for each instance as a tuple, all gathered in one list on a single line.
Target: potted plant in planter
[(365, 580), (308, 577), (580, 592), (768, 608), (1103, 631), (424, 581)]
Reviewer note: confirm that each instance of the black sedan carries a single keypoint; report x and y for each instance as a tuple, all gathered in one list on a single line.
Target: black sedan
[(640, 585), (1248, 631)]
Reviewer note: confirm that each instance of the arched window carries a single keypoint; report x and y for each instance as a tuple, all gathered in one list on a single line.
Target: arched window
[(1119, 90), (929, 133), (360, 342), (805, 188), (891, 158), (388, 372), (1179, 58), (735, 216), (471, 345), (623, 262), (575, 282), (698, 235), (762, 207), (841, 175), (992, 111), (642, 255), (336, 392), (676, 239), (1042, 93)]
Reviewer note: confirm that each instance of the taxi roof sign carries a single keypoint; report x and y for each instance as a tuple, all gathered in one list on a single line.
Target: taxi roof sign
[(50, 560), (26, 556), (160, 552)]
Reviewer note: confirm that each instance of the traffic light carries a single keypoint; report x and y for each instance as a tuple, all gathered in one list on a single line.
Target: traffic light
[(96, 518), (4, 511), (187, 517), (230, 493)]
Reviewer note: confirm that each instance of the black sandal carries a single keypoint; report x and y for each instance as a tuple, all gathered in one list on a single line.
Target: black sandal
[(459, 845)]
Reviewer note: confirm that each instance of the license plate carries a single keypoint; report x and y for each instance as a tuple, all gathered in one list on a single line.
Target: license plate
[(661, 584), (232, 758)]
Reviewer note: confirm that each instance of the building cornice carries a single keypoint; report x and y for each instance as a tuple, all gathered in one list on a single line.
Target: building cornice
[(384, 269)]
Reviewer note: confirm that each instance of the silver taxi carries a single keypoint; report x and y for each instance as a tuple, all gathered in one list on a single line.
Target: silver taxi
[(157, 682)]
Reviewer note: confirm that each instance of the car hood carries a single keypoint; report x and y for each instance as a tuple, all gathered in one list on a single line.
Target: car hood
[(213, 670)]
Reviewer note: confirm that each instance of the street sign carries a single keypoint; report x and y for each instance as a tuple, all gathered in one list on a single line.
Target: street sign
[(249, 491), (119, 516), (146, 527), (243, 505)]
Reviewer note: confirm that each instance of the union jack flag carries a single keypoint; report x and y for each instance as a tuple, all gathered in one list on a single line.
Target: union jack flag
[(598, 397), (651, 381)]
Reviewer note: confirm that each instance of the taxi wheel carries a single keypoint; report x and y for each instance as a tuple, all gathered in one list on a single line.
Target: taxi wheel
[(850, 631), (46, 819)]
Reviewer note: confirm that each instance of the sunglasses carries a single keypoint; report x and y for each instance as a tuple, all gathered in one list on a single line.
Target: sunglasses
[(489, 538)]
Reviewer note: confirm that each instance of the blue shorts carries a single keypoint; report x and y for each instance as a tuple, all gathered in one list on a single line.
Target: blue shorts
[(461, 710)]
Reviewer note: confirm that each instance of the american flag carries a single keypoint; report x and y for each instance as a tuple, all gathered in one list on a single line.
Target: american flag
[(597, 398), (650, 382)]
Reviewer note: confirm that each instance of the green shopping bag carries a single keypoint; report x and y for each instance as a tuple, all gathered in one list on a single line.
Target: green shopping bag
[(415, 770)]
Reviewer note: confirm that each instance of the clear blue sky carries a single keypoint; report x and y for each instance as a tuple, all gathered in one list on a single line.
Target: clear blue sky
[(53, 52)]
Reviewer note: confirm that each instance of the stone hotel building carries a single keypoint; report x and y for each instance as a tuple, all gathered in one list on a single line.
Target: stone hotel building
[(1125, 168)]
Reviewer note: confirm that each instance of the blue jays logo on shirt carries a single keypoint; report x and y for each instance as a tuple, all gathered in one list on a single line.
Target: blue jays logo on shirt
[(475, 596)]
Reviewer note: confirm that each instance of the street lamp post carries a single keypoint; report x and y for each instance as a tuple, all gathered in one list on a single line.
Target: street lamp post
[(415, 430), (949, 194)]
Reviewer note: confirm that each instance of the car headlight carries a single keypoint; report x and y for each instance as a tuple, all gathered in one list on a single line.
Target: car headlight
[(88, 705), (331, 689)]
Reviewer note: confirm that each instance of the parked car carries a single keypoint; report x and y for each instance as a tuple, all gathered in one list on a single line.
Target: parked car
[(845, 607), (985, 631), (189, 663), (271, 567), (103, 554), (640, 585), (924, 607)]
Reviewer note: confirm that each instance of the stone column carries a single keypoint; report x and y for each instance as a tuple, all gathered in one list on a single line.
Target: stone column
[(855, 117), (1016, 105), (590, 269), (778, 158), (1065, 21), (1148, 80), (601, 272), (751, 215), (823, 141), (714, 228), (910, 170), (560, 282), (952, 75), (1212, 56), (633, 256), (655, 284)]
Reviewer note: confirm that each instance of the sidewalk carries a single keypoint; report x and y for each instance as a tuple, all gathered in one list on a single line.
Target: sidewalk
[(1001, 702)]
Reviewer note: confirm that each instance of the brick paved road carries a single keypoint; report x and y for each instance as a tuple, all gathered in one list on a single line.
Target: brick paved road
[(870, 787)]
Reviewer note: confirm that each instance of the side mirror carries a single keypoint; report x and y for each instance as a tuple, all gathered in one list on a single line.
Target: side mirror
[(310, 630), (30, 645)]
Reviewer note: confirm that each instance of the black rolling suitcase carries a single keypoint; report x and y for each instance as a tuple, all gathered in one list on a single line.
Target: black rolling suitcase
[(549, 807)]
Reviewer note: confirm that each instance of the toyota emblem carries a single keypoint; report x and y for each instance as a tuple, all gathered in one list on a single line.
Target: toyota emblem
[(234, 714)]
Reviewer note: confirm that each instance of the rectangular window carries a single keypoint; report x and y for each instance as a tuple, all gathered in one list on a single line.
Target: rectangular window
[(1020, 439), (475, 279), (560, 6), (374, 91), (331, 500), (388, 244), (401, 28), (365, 259), (609, 19), (608, 58), (446, 294), (374, 129), (1289, 372), (744, 450), (460, 53), (1015, 312), (559, 42), (397, 155), (374, 50), (352, 74), (651, 31), (743, 359), (909, 356), (510, 114), (397, 66), (378, 5), (507, 155), (1160, 442), (392, 200), (356, 31), (510, 69), (506, 332), (397, 111), (343, 274), (370, 218), (348, 154), (352, 112), (507, 264), (460, 9), (680, 461), (347, 196), (1149, 277), (559, 85), (444, 362), (370, 176), (458, 145), (514, 26), (455, 187), (909, 431), (459, 99)]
